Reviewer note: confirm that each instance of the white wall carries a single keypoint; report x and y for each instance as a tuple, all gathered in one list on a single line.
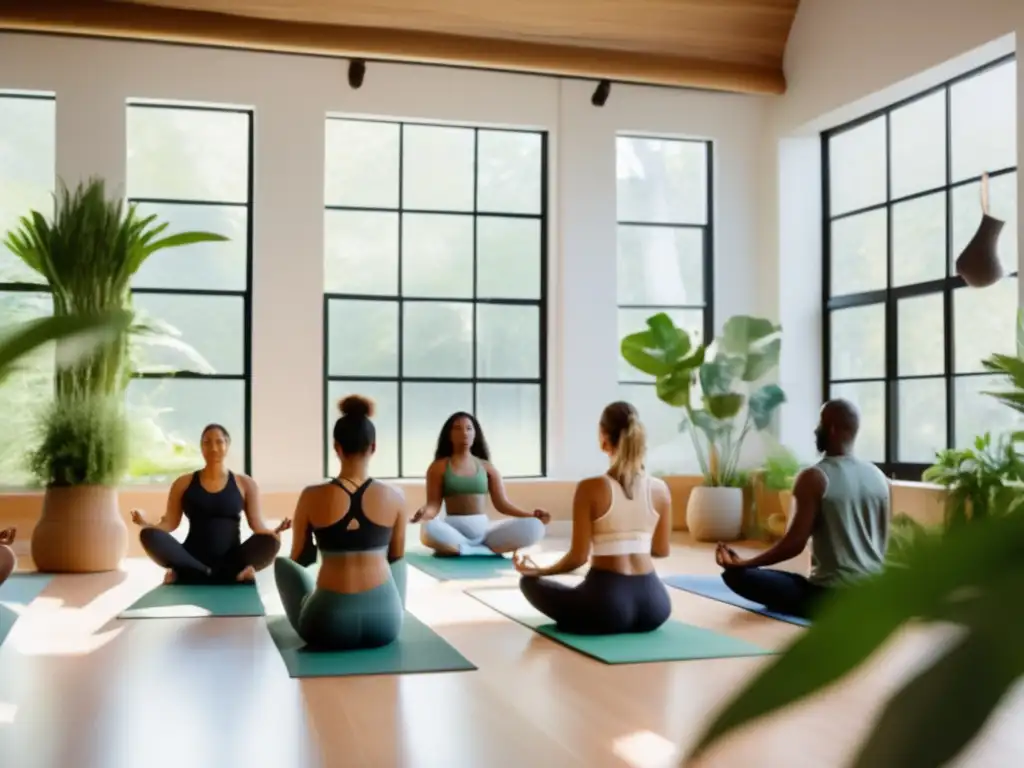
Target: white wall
[(291, 96), (845, 59)]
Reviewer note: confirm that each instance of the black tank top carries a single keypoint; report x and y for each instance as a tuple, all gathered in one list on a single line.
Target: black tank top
[(354, 532), (213, 519)]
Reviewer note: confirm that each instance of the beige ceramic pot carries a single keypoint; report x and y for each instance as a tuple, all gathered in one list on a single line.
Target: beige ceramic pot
[(715, 514), (81, 531)]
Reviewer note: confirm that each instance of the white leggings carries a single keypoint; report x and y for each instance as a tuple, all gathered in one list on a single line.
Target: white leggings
[(473, 534)]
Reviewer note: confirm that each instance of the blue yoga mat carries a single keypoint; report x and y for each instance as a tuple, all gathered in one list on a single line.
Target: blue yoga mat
[(714, 588), (20, 589)]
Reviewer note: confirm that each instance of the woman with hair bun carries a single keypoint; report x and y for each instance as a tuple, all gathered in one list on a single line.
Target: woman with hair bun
[(357, 599), (623, 518), (213, 500), (462, 477)]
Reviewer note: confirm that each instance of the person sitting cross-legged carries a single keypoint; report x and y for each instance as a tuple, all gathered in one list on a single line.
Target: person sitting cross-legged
[(842, 508)]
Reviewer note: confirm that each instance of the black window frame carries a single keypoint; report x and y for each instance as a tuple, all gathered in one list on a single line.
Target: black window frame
[(708, 229), (401, 298), (246, 295), (889, 296)]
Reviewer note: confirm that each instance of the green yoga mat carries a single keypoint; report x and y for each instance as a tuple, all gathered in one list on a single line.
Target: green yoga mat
[(464, 567), (182, 601), (417, 649), (20, 589), (673, 641)]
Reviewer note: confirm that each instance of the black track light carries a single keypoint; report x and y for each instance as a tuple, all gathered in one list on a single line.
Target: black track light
[(601, 93), (356, 73)]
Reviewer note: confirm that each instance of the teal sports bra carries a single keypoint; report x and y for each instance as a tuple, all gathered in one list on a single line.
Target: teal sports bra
[(464, 485)]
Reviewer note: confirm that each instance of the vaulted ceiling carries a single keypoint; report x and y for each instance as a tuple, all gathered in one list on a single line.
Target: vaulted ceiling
[(731, 45)]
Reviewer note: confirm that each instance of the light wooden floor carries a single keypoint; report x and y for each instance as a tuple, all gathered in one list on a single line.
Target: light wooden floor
[(79, 689)]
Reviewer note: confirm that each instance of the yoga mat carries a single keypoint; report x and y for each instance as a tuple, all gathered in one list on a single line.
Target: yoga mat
[(417, 649), (20, 589), (673, 641), (181, 601), (714, 588), (463, 567)]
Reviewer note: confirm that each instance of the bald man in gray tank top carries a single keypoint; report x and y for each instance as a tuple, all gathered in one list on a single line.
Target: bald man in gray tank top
[(842, 507)]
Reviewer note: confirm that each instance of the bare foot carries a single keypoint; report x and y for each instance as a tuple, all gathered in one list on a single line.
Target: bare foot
[(249, 574), (170, 577)]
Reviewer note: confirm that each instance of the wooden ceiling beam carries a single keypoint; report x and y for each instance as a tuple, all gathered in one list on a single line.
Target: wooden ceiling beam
[(129, 21)]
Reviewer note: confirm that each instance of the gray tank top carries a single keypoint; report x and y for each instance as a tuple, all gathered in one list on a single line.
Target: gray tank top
[(852, 530)]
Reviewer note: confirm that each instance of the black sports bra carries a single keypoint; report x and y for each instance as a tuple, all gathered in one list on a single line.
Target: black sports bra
[(354, 532)]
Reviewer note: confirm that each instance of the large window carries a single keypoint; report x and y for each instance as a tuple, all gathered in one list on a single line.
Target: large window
[(27, 175), (192, 166), (664, 265), (435, 286), (904, 337)]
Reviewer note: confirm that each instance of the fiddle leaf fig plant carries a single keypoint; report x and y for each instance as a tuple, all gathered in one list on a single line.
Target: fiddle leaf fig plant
[(730, 404)]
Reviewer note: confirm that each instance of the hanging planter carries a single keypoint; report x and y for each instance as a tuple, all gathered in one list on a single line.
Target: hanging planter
[(979, 263)]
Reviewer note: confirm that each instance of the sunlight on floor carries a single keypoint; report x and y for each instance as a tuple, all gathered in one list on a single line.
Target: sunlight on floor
[(457, 610), (42, 639), (645, 749)]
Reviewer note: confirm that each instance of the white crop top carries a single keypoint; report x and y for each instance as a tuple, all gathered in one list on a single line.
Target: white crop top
[(628, 525)]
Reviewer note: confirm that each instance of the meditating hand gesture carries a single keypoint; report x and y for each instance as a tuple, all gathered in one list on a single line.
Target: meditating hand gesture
[(7, 536), (139, 518), (544, 517), (525, 565), (419, 514), (284, 526), (726, 557)]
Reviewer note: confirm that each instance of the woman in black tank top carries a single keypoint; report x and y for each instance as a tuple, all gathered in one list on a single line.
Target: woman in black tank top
[(356, 598), (213, 500)]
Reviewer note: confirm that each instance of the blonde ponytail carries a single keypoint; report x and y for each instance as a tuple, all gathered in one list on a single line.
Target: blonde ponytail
[(621, 424)]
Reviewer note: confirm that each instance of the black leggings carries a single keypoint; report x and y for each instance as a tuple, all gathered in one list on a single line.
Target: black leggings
[(258, 551), (778, 591), (605, 603)]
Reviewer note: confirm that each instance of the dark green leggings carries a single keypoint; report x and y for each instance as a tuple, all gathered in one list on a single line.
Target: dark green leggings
[(339, 621)]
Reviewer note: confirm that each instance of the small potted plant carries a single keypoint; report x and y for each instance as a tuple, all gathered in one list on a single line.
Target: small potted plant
[(773, 492), (724, 381)]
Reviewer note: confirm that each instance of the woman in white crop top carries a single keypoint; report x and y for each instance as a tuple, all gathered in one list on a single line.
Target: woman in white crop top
[(620, 520)]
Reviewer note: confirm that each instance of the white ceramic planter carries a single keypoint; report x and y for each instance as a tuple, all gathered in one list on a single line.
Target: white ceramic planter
[(715, 514)]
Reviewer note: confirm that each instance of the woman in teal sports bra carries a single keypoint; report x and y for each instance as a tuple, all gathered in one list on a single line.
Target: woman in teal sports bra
[(462, 477), (357, 598)]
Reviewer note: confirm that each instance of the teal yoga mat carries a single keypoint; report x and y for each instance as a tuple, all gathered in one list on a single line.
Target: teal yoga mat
[(181, 601), (673, 641), (417, 649), (461, 568), (19, 590)]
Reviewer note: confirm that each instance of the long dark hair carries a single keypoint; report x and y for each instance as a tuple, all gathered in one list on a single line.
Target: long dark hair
[(445, 448)]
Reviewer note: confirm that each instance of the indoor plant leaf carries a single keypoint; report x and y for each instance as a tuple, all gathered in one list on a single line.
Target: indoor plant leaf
[(724, 406), (675, 388), (640, 350), (763, 403), (854, 624), (741, 332), (89, 331), (718, 375), (918, 727), (713, 429), (762, 360)]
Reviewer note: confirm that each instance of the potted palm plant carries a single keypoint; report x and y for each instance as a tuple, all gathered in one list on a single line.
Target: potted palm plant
[(723, 380), (87, 254)]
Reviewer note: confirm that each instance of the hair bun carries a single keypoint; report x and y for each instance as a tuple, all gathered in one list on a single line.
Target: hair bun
[(356, 406)]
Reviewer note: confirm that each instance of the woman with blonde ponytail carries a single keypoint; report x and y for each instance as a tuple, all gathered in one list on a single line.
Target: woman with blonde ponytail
[(620, 521)]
